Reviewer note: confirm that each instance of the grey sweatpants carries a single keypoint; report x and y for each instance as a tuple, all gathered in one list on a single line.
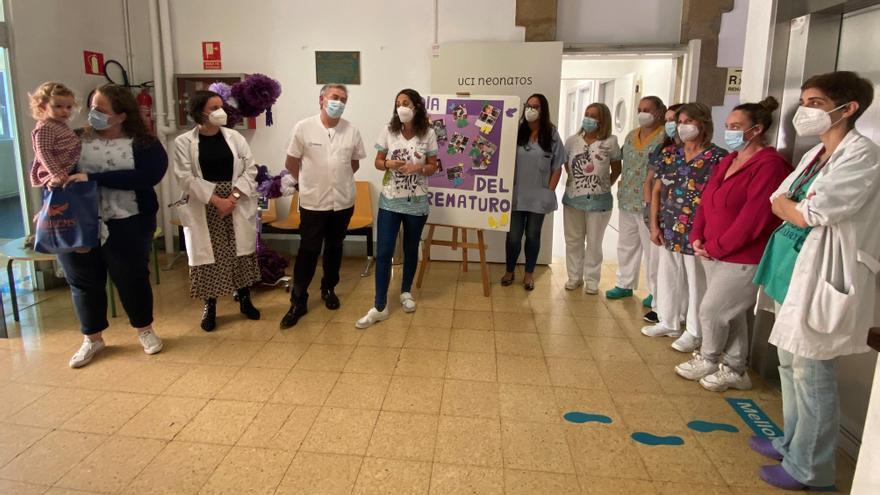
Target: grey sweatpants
[(730, 294)]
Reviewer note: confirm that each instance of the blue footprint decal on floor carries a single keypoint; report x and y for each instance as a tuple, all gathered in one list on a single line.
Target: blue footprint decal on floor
[(582, 417), (708, 427), (649, 439)]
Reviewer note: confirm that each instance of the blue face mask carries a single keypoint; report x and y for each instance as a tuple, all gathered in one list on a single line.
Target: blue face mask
[(735, 140), (99, 120), (670, 129), (334, 108), (589, 124)]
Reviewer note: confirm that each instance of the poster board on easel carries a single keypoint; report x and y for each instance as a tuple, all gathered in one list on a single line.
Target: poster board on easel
[(472, 188), (476, 136)]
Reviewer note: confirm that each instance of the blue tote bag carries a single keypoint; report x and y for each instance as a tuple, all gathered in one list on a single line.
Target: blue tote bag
[(68, 219)]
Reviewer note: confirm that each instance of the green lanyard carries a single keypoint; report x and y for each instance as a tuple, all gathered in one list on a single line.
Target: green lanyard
[(809, 173)]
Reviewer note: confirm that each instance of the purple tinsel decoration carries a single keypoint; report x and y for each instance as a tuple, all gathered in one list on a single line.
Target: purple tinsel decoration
[(262, 174), (271, 187), (256, 94), (272, 264), (222, 89)]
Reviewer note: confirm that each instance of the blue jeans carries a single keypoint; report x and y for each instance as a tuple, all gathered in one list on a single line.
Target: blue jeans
[(388, 224), (126, 257), (528, 223), (811, 418)]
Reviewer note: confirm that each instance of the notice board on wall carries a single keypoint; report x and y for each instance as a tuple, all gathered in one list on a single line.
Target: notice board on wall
[(338, 67), (476, 136)]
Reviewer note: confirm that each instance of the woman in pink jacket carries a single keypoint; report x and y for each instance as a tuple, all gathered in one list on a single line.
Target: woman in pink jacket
[(731, 229)]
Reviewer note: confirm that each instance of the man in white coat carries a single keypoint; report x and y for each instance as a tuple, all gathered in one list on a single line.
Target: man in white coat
[(324, 153), (820, 268)]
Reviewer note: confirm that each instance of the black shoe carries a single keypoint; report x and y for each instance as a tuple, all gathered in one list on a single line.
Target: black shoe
[(209, 315), (330, 298), (651, 317), (245, 305), (293, 315)]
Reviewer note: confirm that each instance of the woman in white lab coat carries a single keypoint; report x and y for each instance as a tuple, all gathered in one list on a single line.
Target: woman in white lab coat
[(820, 268), (216, 171)]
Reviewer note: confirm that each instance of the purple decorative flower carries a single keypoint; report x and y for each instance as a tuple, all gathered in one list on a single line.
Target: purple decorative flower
[(222, 89), (262, 174), (233, 116), (256, 94)]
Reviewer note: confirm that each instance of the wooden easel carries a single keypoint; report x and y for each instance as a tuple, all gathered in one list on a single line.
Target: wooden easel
[(455, 244)]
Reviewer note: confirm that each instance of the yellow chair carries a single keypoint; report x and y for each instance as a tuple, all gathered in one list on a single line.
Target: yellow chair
[(270, 214), (361, 222), (291, 221)]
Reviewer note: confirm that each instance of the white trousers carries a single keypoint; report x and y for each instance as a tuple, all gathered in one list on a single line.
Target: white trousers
[(652, 259), (681, 284), (631, 249), (584, 261)]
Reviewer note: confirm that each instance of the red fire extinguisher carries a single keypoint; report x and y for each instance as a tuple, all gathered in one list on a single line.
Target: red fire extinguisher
[(145, 105)]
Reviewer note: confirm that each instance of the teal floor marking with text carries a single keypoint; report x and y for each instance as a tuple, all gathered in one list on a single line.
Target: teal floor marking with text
[(755, 417)]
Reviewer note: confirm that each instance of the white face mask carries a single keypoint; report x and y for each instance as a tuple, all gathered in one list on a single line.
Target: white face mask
[(532, 114), (217, 117), (405, 114), (809, 121), (688, 132), (645, 119)]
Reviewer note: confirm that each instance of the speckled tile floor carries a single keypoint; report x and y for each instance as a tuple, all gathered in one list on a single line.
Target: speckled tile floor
[(466, 395)]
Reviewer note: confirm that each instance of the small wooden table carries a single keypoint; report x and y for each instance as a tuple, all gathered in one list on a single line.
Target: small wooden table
[(15, 251)]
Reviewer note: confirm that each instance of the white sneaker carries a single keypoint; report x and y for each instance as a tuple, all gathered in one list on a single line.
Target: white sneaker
[(696, 368), (151, 342), (591, 287), (660, 330), (573, 284), (408, 302), (86, 352), (686, 343), (726, 378), (372, 316)]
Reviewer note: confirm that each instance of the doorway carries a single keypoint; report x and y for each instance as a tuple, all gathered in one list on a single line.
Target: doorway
[(11, 202), (618, 80)]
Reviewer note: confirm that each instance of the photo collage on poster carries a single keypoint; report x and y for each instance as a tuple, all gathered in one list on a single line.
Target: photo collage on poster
[(468, 137)]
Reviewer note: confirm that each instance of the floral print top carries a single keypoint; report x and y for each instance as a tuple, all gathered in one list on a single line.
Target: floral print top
[(682, 184), (636, 155)]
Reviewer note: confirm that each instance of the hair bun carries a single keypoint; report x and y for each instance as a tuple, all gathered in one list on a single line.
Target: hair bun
[(769, 103)]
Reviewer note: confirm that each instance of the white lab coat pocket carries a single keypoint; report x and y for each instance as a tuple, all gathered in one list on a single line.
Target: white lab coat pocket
[(834, 303), (832, 309), (182, 209)]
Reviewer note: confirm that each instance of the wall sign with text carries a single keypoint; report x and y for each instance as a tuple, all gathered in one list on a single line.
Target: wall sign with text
[(338, 67), (211, 55), (734, 80)]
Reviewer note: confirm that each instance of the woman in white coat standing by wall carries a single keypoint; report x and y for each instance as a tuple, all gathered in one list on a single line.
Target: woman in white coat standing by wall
[(215, 169), (820, 268)]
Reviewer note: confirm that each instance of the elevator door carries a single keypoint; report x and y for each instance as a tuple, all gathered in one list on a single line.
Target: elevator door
[(859, 39)]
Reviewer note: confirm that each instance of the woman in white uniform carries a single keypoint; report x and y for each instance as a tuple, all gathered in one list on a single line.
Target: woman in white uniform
[(215, 168), (820, 268)]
